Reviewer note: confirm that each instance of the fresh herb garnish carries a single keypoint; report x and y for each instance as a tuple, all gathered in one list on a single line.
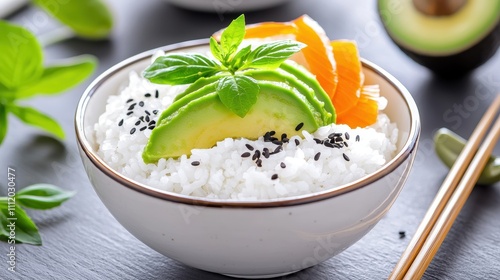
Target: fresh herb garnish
[(237, 91), (23, 75), (40, 197)]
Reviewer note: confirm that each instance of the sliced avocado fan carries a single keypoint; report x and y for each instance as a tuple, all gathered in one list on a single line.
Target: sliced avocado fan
[(200, 119)]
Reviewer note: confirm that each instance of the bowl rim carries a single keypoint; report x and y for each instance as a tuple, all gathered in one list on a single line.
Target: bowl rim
[(86, 147)]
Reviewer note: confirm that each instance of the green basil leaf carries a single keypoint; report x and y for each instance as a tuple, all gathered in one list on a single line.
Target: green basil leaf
[(21, 58), (238, 93), (240, 58), (3, 122), (60, 77), (232, 36), (42, 196), (35, 118), (14, 220), (271, 55), (179, 69), (216, 49), (89, 19)]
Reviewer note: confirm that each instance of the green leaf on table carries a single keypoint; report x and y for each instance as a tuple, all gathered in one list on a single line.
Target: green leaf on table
[(35, 118), (232, 36), (42, 196), (238, 93), (271, 55), (15, 219), (3, 122), (179, 69), (89, 19), (60, 77), (21, 57)]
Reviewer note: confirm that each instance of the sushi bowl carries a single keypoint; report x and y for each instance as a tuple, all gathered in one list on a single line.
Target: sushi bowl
[(256, 238)]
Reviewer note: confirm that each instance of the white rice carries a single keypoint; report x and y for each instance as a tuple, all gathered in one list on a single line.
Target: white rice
[(223, 173)]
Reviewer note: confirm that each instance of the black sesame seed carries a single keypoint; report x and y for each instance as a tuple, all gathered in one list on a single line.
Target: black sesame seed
[(147, 112), (245, 154), (155, 112), (131, 107), (267, 135), (157, 94), (345, 144), (274, 177), (120, 123), (345, 157), (331, 135), (278, 149), (316, 156), (277, 142), (272, 132), (141, 118), (282, 165), (297, 142), (141, 103), (130, 113), (195, 163), (256, 155), (130, 100), (147, 95), (132, 131), (339, 139), (137, 122), (147, 119), (337, 145), (250, 147), (152, 122), (318, 141), (151, 127), (357, 138), (259, 162), (328, 144), (143, 128), (347, 136), (402, 234), (265, 152), (299, 126), (283, 136)]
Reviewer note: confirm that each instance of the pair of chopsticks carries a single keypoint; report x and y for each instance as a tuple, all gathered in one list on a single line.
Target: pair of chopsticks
[(450, 198)]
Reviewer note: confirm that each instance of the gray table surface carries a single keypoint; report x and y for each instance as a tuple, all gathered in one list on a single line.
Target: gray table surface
[(81, 240)]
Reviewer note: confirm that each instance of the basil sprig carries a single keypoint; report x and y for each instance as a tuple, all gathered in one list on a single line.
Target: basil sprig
[(23, 75), (15, 222), (237, 91)]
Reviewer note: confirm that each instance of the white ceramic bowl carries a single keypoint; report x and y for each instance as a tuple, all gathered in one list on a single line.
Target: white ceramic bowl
[(247, 239), (226, 6)]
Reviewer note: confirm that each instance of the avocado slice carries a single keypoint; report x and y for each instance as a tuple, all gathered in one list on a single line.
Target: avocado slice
[(203, 121), (201, 82), (279, 75), (306, 77), (450, 44)]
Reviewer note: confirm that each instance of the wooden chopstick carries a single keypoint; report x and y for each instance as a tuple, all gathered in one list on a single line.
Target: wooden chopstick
[(454, 205), (442, 197)]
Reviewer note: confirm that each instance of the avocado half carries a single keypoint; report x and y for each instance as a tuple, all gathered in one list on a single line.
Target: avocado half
[(450, 45)]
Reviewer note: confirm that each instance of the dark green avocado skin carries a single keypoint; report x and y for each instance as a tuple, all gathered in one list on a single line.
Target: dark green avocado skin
[(462, 63), (459, 64)]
